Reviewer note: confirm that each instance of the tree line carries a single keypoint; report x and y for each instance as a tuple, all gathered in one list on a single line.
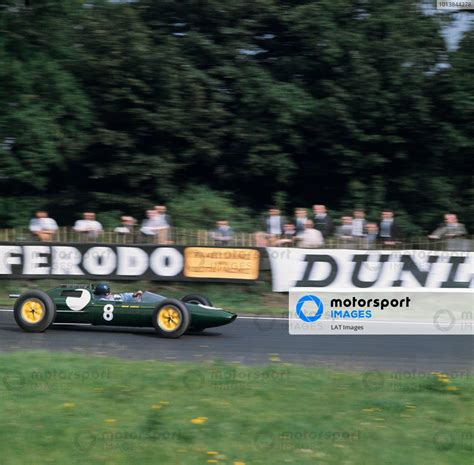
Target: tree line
[(239, 104)]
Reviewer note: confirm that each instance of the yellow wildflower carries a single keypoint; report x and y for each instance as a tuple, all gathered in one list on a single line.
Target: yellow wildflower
[(199, 420)]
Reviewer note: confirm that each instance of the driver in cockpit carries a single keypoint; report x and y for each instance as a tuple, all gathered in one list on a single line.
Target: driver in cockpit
[(102, 292)]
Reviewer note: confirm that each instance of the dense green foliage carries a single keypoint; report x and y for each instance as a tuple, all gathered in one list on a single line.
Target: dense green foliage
[(117, 107)]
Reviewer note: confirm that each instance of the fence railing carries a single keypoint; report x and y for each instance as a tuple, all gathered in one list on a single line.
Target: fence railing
[(199, 237)]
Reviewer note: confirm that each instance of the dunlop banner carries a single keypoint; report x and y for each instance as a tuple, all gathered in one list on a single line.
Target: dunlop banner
[(326, 268)]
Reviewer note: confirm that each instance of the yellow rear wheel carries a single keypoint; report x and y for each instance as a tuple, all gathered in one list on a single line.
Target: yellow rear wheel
[(33, 311)]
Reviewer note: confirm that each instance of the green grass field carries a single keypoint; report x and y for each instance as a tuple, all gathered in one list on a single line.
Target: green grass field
[(69, 409), (248, 298)]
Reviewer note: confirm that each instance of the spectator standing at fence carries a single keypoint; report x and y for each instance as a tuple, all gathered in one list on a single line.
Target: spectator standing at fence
[(359, 228), (127, 227), (344, 232), (89, 227), (452, 231), (310, 238), (149, 227), (223, 233), (388, 228), (288, 237), (43, 227), (163, 224), (359, 225), (322, 221), (274, 225), (370, 241), (300, 220)]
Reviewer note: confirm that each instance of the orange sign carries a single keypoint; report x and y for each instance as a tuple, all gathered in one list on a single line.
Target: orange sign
[(221, 263)]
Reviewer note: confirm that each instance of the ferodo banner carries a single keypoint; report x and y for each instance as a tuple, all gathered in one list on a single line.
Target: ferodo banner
[(157, 263), (326, 268)]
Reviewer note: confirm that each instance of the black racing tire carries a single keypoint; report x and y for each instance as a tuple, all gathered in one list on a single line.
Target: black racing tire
[(34, 311), (197, 299), (171, 318)]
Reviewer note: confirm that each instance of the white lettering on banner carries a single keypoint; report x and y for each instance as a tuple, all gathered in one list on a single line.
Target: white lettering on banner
[(166, 261), (8, 258), (92, 260), (326, 268), (35, 257), (66, 261), (132, 261), (100, 261)]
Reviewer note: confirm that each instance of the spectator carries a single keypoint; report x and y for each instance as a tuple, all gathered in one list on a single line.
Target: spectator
[(149, 227), (274, 225), (322, 221), (127, 227), (344, 232), (223, 233), (289, 235), (43, 227), (163, 224), (452, 231), (372, 235), (300, 220), (311, 237), (359, 224), (388, 229), (359, 228), (89, 227)]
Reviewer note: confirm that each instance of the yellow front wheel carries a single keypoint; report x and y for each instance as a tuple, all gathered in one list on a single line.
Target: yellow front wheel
[(171, 318), (34, 311)]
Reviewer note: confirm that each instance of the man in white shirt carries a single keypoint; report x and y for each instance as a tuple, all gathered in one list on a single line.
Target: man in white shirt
[(359, 228), (88, 226), (163, 224), (150, 225), (310, 238), (359, 224), (43, 227)]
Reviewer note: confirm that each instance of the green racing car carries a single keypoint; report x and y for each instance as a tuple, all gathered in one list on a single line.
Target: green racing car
[(36, 311)]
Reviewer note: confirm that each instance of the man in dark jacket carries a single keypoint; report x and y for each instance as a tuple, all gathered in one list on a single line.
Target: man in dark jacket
[(322, 221), (300, 220), (388, 228)]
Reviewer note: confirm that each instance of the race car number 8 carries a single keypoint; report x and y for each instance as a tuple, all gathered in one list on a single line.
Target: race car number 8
[(108, 312)]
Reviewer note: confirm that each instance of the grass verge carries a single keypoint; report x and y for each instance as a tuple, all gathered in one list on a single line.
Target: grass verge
[(70, 409)]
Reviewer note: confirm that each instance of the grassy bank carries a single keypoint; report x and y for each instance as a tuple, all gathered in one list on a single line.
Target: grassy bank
[(60, 409), (251, 298)]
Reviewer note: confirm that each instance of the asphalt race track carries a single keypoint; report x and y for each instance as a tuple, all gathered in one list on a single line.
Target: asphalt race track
[(252, 340)]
